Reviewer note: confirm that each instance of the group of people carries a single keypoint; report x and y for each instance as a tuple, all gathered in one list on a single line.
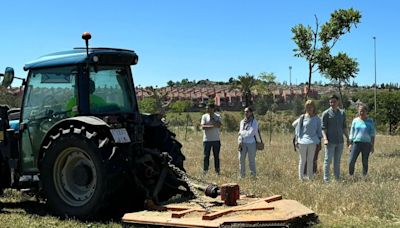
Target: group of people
[(247, 137), (311, 131)]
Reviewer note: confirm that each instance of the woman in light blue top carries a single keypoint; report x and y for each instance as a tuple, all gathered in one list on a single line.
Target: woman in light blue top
[(362, 138), (309, 133)]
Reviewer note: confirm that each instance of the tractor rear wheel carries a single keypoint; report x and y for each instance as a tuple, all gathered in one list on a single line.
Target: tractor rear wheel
[(74, 174)]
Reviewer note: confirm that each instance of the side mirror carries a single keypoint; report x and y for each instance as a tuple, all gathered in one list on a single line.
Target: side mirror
[(8, 77)]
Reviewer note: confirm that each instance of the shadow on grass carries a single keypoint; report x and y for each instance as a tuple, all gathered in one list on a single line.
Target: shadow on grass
[(393, 154), (30, 207)]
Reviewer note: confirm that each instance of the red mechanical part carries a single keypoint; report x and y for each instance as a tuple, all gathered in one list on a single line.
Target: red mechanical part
[(230, 193)]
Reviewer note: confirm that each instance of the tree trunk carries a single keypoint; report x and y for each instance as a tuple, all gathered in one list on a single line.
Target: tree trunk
[(247, 99), (340, 93), (186, 127), (270, 128), (309, 80)]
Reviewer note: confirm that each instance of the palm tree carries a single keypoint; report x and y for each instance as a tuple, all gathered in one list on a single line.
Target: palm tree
[(245, 83)]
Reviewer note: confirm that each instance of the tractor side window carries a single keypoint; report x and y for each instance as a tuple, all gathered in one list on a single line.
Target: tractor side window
[(48, 91), (110, 90)]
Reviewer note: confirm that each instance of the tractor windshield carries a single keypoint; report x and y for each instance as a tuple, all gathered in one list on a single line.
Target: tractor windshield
[(111, 90)]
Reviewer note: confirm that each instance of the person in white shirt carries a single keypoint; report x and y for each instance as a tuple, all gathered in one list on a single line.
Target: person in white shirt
[(211, 124), (247, 142)]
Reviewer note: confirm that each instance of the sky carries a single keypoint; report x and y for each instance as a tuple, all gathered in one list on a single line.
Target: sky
[(208, 39)]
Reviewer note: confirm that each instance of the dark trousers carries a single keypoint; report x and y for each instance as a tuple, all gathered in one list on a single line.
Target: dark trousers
[(216, 146), (356, 148)]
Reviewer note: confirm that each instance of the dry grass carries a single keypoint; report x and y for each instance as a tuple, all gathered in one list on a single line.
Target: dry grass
[(370, 202)]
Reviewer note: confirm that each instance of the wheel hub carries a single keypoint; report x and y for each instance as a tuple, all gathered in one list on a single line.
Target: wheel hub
[(82, 175), (75, 176)]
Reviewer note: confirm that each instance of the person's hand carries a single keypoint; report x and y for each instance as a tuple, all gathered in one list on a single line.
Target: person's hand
[(349, 147), (240, 147), (217, 124), (372, 149), (348, 142), (326, 141)]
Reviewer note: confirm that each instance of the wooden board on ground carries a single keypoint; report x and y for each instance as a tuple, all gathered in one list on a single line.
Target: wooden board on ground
[(256, 212)]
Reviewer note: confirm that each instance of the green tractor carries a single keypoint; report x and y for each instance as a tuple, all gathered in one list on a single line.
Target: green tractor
[(79, 141)]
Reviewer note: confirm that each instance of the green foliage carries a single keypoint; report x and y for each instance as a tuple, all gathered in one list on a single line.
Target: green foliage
[(230, 122), (316, 46), (389, 109), (345, 100), (183, 83), (366, 97), (180, 106), (298, 106), (323, 103), (245, 83), (304, 39), (13, 101), (339, 68), (339, 24), (211, 101), (170, 83), (262, 105), (267, 78), (274, 107), (148, 105)]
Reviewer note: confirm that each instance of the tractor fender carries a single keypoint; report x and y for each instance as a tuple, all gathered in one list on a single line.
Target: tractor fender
[(87, 123)]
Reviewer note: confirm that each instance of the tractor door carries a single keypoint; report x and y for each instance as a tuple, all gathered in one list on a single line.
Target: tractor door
[(46, 99)]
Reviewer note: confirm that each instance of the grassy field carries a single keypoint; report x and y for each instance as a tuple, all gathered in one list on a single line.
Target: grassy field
[(361, 202)]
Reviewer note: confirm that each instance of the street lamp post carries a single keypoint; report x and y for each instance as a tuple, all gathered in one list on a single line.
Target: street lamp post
[(375, 72)]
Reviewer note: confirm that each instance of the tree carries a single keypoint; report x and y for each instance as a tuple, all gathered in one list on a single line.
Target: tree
[(268, 78), (264, 104), (181, 106), (157, 103), (389, 109), (185, 82), (262, 85), (148, 105), (298, 106), (245, 83), (10, 99), (315, 46), (339, 69), (170, 83)]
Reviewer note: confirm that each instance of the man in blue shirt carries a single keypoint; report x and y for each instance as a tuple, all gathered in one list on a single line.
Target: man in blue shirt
[(333, 126)]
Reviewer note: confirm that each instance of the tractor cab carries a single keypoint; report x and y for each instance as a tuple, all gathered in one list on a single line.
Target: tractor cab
[(94, 82)]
